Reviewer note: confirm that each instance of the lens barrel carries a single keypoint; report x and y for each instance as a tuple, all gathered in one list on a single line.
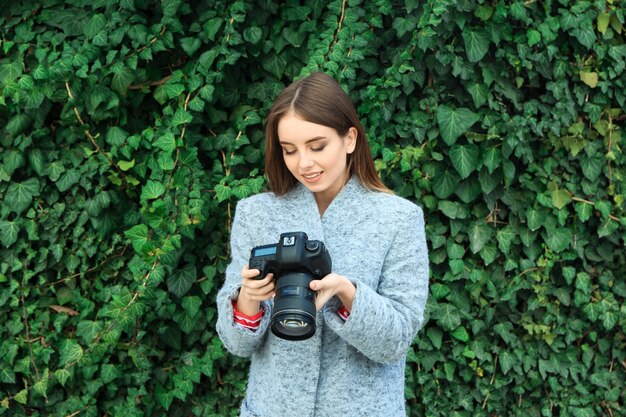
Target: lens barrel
[(293, 317)]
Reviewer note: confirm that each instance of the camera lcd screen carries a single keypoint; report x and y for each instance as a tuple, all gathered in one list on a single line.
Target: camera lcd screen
[(265, 251)]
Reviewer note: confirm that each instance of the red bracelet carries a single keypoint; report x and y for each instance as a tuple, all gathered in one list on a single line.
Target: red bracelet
[(343, 313), (249, 322)]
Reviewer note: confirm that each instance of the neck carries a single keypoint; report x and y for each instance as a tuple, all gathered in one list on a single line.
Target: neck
[(324, 198)]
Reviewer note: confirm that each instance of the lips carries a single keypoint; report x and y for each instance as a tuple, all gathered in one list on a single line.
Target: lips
[(312, 177)]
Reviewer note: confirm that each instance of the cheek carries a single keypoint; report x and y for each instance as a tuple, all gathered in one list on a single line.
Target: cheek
[(290, 163)]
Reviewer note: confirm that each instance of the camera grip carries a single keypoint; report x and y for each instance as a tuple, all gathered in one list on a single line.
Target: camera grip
[(261, 265)]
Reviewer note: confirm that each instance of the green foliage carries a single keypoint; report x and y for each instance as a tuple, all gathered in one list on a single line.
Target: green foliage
[(131, 128)]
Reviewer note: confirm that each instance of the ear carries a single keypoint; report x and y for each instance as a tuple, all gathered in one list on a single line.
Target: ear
[(350, 139)]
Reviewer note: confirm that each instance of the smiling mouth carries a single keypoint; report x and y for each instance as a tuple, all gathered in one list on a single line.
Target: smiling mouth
[(312, 178)]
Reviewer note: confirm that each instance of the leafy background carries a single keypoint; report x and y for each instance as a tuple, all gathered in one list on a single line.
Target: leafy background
[(130, 128)]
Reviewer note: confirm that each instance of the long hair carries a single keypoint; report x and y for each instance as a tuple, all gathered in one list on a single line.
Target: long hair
[(317, 99)]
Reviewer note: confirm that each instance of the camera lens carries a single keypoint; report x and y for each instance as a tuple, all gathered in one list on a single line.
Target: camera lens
[(293, 317)]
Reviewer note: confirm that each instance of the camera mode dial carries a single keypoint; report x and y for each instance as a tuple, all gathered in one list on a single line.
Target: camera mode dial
[(312, 245)]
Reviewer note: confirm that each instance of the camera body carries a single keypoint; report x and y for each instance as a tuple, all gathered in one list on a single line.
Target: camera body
[(295, 261)]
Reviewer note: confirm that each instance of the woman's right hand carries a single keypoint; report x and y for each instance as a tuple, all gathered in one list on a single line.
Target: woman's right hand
[(253, 291)]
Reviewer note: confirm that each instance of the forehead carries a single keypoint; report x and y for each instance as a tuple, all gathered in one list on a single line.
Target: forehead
[(294, 129)]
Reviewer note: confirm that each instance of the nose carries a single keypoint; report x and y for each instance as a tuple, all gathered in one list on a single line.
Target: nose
[(305, 161)]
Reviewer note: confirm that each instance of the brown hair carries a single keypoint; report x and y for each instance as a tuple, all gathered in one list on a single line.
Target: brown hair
[(317, 99)]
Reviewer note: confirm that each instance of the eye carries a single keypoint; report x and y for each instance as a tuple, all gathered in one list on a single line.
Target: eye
[(319, 148), (288, 152)]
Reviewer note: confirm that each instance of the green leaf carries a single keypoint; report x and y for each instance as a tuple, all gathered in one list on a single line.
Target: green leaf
[(275, 64), (479, 235), (190, 45), (67, 180), (505, 237), (192, 305), (534, 37), (558, 239), (439, 291), (452, 209), (96, 24), (20, 195), (13, 160), (609, 319), (21, 397), (18, 124), (62, 375), (41, 386), (7, 376), (507, 361), (454, 122), (476, 44), (253, 35), (585, 35), (36, 160), (122, 79), (589, 78), (116, 136), (592, 167), (10, 72), (584, 211), (167, 142), (108, 373), (603, 22), (152, 190), (8, 232), (138, 236), (212, 26), (126, 165), (445, 184), (460, 334), (403, 25), (484, 12), (55, 169), (435, 335), (69, 352), (222, 192), (479, 93), (535, 219), (492, 159), (447, 316), (180, 282), (181, 117), (582, 412), (464, 158), (608, 227), (561, 198), (88, 329)]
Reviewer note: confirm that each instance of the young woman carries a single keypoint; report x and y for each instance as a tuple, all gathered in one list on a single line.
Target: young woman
[(323, 182)]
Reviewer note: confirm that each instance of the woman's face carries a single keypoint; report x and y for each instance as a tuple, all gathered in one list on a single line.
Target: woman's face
[(316, 155)]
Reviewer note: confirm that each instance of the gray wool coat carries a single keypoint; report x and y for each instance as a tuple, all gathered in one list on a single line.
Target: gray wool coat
[(347, 369)]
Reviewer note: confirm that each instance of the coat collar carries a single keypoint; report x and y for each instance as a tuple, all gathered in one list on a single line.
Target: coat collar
[(299, 194)]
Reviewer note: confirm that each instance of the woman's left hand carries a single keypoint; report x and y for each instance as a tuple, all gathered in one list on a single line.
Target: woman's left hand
[(333, 284)]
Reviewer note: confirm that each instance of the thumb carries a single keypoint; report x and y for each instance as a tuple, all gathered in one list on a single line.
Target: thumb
[(315, 285)]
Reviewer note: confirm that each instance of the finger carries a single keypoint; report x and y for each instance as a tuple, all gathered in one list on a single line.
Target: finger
[(250, 273), (320, 300), (316, 285), (262, 296), (260, 290), (257, 283)]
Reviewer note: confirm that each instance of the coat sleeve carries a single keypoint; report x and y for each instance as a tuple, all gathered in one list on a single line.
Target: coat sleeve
[(383, 322), (237, 339)]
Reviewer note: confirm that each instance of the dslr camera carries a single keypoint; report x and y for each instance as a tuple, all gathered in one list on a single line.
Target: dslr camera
[(295, 261)]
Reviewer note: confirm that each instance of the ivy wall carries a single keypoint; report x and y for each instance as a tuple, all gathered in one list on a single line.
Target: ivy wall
[(130, 128)]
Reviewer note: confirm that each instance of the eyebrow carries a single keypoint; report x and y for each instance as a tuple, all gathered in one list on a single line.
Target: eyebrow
[(315, 139)]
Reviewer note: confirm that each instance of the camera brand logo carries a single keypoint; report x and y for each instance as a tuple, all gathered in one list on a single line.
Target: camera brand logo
[(289, 240)]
